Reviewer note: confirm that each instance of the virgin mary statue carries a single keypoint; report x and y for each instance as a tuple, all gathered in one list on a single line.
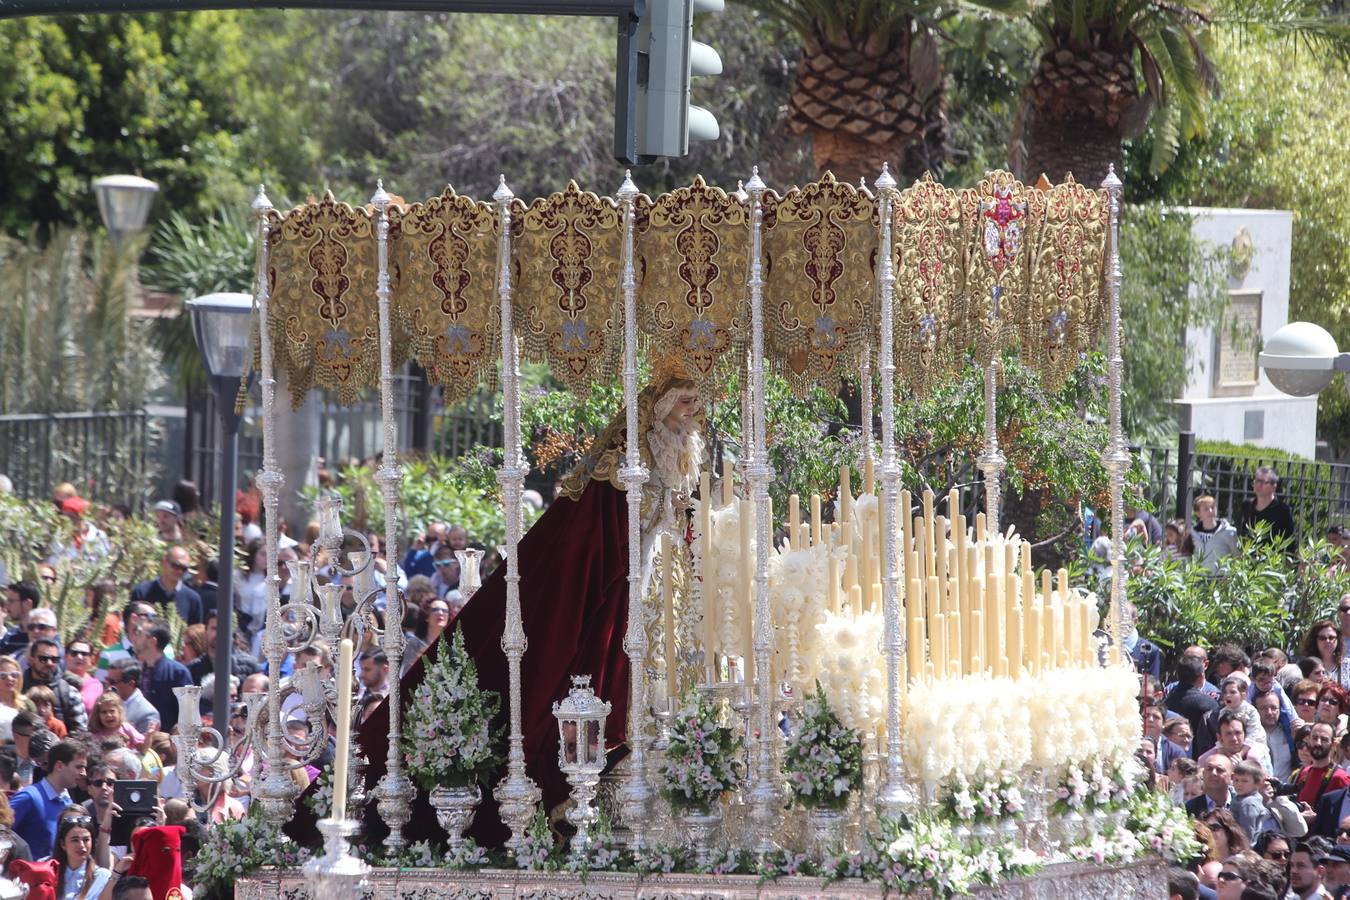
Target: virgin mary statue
[(573, 593)]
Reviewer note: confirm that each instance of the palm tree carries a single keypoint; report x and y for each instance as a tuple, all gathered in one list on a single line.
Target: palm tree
[(869, 85), (1109, 68)]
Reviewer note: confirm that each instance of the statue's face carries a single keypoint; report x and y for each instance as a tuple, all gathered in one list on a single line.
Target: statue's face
[(684, 411)]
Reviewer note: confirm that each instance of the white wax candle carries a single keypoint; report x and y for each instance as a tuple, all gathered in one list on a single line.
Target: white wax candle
[(344, 729)]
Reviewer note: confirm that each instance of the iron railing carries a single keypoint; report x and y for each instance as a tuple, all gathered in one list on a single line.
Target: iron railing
[(105, 455), (1318, 493)]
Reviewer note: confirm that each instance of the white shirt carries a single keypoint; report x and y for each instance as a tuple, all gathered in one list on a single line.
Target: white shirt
[(74, 880)]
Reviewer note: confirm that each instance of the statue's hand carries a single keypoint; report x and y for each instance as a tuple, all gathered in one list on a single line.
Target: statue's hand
[(681, 500)]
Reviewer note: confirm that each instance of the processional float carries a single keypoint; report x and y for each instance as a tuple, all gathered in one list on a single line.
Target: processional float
[(813, 285)]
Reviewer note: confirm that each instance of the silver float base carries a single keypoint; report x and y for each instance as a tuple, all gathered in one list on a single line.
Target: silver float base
[(1142, 880)]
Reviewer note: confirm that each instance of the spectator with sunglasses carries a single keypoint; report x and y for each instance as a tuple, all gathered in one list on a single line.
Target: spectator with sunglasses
[(446, 580), (44, 657), (79, 672), (171, 587), (1264, 506), (38, 807)]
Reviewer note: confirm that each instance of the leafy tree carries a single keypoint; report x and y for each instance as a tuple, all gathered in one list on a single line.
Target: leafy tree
[(1275, 142), (85, 96), (66, 341), (1107, 69)]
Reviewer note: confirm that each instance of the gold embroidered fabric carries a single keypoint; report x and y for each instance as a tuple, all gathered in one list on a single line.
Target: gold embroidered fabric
[(567, 263), (692, 252), (443, 279), (820, 245), (323, 317), (977, 271), (930, 285), (1067, 307), (998, 214)]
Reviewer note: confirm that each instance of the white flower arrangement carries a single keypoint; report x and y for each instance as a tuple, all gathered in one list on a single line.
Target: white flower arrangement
[(987, 801), (849, 666), (922, 852), (798, 600), (1163, 827), (1033, 724), (447, 738), (703, 758), (1097, 786), (823, 760)]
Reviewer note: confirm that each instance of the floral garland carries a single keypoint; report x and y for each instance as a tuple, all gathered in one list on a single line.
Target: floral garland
[(236, 849), (986, 803), (823, 760), (447, 738), (1098, 787), (426, 855), (918, 852), (703, 759)]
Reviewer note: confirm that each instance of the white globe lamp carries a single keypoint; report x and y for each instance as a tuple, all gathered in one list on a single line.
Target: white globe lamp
[(1302, 358)]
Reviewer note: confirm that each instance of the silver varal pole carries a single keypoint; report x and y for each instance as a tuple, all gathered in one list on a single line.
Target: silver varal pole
[(517, 795), (895, 794), (395, 792), (991, 460), (1117, 456), (277, 791), (765, 803), (637, 792)]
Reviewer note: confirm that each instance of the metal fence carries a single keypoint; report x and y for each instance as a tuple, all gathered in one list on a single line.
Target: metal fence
[(107, 456), (459, 429), (1318, 493)]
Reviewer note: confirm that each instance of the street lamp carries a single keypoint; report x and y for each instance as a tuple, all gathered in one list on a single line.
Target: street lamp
[(1302, 359), (124, 203), (220, 323)]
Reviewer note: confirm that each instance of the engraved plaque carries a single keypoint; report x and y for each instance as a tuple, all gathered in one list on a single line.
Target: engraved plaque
[(1237, 341)]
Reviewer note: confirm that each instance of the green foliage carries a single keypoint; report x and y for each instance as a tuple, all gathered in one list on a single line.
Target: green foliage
[(1276, 141), (86, 96), (1245, 451), (1261, 598), (191, 258), (448, 738), (66, 341), (435, 489)]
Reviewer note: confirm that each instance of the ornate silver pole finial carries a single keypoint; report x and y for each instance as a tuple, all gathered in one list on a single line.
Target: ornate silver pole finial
[(395, 791), (261, 205), (896, 794), (517, 794), (636, 792), (1116, 457)]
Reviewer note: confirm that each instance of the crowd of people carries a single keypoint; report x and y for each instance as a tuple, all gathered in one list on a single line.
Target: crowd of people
[(86, 710)]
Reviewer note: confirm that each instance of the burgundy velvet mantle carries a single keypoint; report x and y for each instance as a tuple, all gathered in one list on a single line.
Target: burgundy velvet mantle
[(574, 604)]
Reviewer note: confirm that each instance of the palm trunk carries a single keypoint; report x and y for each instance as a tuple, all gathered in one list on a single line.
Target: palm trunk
[(1082, 146)]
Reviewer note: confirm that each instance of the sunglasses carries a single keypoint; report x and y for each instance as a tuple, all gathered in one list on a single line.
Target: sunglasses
[(10, 676), (1332, 637), (1344, 609), (100, 782), (1278, 854), (442, 563), (182, 567), (50, 579), (78, 654), (86, 821), (22, 734), (438, 611), (1306, 701), (1230, 876), (48, 659), (38, 626)]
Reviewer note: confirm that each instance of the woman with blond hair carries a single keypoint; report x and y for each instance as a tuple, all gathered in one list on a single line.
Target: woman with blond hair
[(11, 699), (110, 718)]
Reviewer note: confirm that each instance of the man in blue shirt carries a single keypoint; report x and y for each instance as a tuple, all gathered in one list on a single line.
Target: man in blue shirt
[(37, 808), (160, 675), (171, 587)]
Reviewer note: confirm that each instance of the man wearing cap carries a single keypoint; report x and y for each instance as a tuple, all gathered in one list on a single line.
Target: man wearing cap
[(87, 540), (41, 625), (1336, 861), (169, 521), (171, 587)]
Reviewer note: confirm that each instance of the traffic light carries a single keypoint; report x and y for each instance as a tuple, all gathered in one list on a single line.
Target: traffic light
[(657, 119)]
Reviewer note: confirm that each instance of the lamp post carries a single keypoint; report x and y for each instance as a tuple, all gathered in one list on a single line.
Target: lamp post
[(220, 323), (1302, 359), (124, 203)]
